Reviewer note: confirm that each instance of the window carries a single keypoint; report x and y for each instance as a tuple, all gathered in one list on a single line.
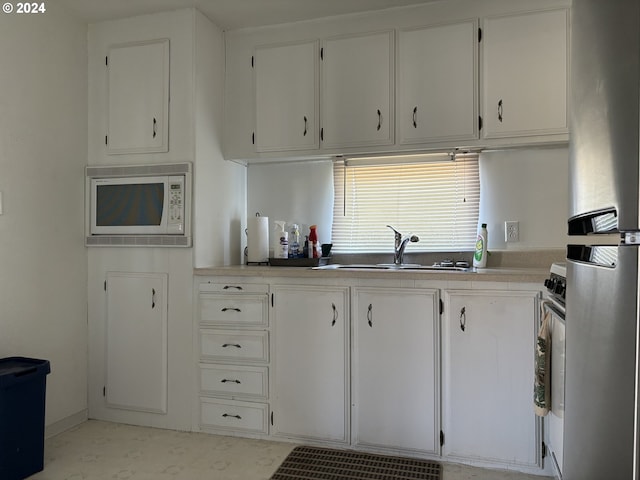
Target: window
[(436, 200)]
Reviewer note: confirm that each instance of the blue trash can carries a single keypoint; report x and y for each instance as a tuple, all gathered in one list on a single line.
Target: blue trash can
[(22, 405)]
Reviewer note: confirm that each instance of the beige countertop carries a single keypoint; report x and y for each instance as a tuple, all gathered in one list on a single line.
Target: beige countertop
[(498, 274)]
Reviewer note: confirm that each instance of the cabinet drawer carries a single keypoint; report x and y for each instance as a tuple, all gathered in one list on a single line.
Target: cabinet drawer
[(233, 288), (233, 415), (234, 345), (234, 380), (233, 310)]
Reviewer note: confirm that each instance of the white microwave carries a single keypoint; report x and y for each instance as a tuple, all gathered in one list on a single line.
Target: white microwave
[(136, 205)]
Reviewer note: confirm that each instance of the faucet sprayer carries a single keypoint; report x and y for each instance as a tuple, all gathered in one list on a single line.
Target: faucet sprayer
[(400, 244)]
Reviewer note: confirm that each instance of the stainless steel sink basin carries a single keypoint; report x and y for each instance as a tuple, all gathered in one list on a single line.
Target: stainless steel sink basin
[(392, 266)]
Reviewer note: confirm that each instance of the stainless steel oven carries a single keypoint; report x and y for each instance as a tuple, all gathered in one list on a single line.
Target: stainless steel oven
[(555, 305)]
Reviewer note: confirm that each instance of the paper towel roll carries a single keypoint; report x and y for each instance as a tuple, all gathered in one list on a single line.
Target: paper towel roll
[(258, 239)]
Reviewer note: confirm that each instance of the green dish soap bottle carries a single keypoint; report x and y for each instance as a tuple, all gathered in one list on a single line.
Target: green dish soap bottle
[(480, 255)]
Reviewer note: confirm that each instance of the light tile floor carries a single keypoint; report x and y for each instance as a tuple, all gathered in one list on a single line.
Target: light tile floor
[(98, 450)]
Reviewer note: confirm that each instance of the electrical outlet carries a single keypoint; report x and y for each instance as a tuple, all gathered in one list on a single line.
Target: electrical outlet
[(512, 231)]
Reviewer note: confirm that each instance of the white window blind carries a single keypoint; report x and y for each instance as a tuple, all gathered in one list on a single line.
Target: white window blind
[(438, 201)]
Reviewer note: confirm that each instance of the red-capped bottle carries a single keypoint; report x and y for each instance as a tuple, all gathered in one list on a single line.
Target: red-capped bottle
[(314, 246)]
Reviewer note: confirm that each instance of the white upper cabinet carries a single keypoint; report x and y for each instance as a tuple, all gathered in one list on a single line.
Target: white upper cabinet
[(437, 83), (286, 90), (357, 90), (524, 74), (138, 92)]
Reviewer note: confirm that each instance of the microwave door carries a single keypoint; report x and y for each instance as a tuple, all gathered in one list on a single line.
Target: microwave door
[(603, 149), (129, 206)]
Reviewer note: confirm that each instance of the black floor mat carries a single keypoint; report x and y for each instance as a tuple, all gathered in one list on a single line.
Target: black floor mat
[(311, 463)]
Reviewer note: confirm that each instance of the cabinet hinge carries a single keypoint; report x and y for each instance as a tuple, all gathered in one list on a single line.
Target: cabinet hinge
[(441, 306), (479, 122), (441, 438), (253, 138), (544, 450), (322, 53), (106, 61), (252, 58), (272, 299), (479, 34)]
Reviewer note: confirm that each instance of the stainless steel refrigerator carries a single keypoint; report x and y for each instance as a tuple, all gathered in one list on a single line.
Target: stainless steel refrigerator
[(601, 382)]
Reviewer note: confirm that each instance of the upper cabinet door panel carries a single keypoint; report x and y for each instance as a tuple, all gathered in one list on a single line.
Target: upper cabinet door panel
[(525, 65), (138, 106), (286, 90), (357, 90), (437, 83)]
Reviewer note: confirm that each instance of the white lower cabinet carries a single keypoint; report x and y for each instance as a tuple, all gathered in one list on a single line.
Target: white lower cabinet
[(395, 366), (136, 316), (233, 353), (310, 362), (487, 377), (385, 366)]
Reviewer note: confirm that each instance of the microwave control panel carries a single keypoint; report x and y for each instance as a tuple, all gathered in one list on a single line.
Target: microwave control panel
[(175, 218)]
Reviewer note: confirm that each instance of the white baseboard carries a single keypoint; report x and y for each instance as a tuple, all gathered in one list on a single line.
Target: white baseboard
[(65, 424)]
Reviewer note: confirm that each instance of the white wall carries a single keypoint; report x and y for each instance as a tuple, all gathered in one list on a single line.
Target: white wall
[(529, 186), (220, 186), (43, 149), (300, 192)]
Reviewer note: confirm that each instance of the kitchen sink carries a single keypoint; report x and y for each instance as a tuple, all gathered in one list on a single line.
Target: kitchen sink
[(392, 266)]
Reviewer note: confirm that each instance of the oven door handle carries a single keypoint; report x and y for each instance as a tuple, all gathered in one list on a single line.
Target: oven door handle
[(548, 304)]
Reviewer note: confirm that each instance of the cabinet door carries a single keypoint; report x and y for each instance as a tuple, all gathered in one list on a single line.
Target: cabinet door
[(136, 348), (395, 364), (488, 343), (525, 60), (138, 98), (286, 89), (309, 366), (437, 83), (357, 90)]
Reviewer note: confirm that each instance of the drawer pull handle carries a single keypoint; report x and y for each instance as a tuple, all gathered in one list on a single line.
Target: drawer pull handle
[(335, 314), (234, 309), (370, 315), (226, 380), (463, 319), (225, 415), (227, 287), (231, 345), (500, 110), (415, 117)]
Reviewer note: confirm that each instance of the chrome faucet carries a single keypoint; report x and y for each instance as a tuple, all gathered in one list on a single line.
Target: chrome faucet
[(400, 244)]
